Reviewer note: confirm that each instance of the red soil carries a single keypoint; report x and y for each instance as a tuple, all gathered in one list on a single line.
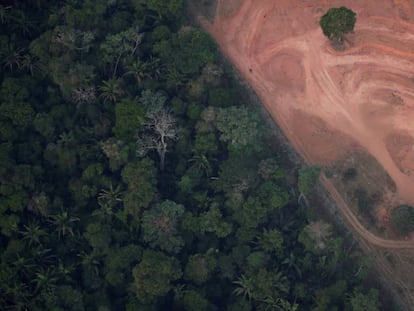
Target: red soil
[(328, 102)]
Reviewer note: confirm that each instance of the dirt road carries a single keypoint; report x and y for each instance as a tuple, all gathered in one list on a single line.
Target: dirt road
[(327, 101)]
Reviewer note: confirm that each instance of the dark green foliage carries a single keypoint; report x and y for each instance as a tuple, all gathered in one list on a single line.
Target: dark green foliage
[(272, 195), (141, 191), (93, 94), (199, 268), (402, 219), (241, 128), (129, 119), (160, 225), (271, 241), (337, 22), (185, 53), (154, 274), (194, 300), (365, 302), (170, 9), (308, 178), (211, 221), (118, 264)]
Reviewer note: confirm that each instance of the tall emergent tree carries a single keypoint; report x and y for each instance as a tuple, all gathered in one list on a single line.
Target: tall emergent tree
[(337, 22)]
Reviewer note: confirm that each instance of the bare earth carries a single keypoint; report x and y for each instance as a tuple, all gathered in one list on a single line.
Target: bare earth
[(330, 103)]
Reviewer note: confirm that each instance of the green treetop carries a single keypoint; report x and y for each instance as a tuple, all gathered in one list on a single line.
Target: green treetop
[(337, 22)]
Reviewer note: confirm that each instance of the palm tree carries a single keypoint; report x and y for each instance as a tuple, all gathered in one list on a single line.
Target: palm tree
[(3, 13), (90, 261), (22, 24), (155, 68), (32, 233), (42, 256), (139, 70), (111, 196), (110, 90), (45, 278), (22, 264), (278, 304), (30, 63), (290, 262), (63, 223), (201, 162), (245, 287), (14, 57), (280, 282), (66, 140), (104, 212), (15, 294), (63, 271), (175, 79)]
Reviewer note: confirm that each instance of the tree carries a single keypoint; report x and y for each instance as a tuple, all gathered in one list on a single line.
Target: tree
[(251, 213), (272, 195), (117, 45), (141, 180), (63, 223), (4, 16), (290, 263), (271, 241), (337, 22), (201, 163), (118, 263), (194, 300), (169, 8), (30, 63), (45, 278), (111, 196), (33, 233), (160, 226), (187, 52), (98, 236), (241, 128), (21, 23), (199, 268), (13, 57), (129, 119), (83, 95), (365, 302), (307, 179), (162, 128), (402, 219), (315, 235), (111, 90), (154, 274), (245, 287), (138, 70), (212, 221)]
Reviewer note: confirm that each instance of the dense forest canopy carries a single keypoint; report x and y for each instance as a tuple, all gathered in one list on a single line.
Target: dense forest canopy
[(135, 176)]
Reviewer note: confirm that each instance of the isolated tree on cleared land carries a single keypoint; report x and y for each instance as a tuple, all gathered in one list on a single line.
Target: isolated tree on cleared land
[(337, 22)]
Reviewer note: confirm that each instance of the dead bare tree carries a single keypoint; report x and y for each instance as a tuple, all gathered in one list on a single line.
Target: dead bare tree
[(161, 128), (83, 95)]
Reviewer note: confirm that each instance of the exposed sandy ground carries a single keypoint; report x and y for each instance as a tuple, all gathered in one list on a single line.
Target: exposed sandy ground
[(330, 102)]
